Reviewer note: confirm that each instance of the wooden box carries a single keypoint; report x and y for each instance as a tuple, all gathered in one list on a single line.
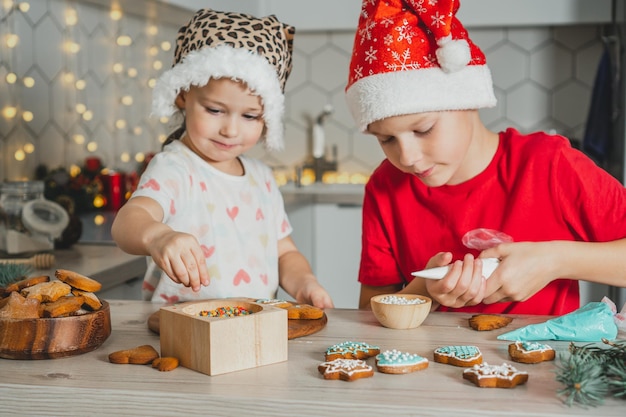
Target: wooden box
[(217, 345)]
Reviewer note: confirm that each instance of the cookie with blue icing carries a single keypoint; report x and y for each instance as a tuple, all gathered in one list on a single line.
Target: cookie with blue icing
[(531, 352), (397, 362), (464, 356)]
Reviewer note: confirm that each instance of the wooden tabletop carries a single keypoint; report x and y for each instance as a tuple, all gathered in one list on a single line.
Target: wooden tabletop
[(89, 385)]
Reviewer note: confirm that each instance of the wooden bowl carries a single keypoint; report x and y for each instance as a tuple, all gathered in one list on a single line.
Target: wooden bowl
[(51, 338), (400, 316)]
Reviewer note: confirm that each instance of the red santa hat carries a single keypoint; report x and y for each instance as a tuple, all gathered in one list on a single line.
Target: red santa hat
[(414, 56)]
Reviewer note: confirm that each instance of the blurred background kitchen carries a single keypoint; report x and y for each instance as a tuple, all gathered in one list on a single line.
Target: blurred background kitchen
[(75, 92)]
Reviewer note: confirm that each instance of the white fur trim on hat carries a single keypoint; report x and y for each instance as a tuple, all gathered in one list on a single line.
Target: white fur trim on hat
[(223, 61), (383, 95)]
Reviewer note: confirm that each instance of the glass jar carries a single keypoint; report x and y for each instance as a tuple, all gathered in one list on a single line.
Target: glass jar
[(28, 222)]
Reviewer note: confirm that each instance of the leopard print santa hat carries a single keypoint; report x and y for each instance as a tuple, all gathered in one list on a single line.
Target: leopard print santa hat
[(214, 44)]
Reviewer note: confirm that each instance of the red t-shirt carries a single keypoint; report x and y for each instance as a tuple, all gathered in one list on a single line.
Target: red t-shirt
[(536, 188)]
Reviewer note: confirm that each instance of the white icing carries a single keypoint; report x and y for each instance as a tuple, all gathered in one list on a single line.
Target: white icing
[(346, 366), (484, 370)]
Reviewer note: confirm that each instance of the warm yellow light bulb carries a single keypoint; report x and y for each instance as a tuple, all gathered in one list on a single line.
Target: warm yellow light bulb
[(132, 72), (24, 7), (137, 130), (151, 82), (98, 220), (140, 157), (166, 45), (71, 47), (124, 40), (27, 116), (68, 77), (116, 14), (127, 100), (80, 108), (71, 18), (120, 123), (78, 139), (99, 201), (74, 170), (157, 65), (152, 30), (12, 40), (88, 115), (162, 138), (153, 51), (19, 155), (11, 78), (92, 146), (9, 112), (164, 119), (80, 84), (29, 148), (118, 67), (29, 82)]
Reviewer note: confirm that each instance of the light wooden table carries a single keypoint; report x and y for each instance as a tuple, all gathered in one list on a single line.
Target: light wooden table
[(88, 384)]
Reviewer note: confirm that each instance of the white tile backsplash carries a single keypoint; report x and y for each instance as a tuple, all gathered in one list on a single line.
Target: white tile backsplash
[(543, 78)]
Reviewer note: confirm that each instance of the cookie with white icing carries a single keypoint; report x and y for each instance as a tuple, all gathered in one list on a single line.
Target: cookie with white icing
[(351, 350), (495, 376), (397, 362), (464, 356), (345, 369), (531, 352)]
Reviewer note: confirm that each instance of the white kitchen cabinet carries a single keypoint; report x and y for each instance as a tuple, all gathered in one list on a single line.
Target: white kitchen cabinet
[(329, 235)]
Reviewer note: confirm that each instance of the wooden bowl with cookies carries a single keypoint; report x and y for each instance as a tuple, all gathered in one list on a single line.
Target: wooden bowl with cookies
[(43, 318), (400, 311)]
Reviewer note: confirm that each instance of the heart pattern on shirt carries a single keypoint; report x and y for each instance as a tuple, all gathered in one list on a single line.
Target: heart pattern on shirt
[(241, 276), (259, 214), (264, 278), (172, 207), (232, 212), (207, 251), (152, 183)]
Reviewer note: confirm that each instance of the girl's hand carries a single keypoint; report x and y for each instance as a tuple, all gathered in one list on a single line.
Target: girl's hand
[(462, 286), (314, 294), (179, 255), (525, 268)]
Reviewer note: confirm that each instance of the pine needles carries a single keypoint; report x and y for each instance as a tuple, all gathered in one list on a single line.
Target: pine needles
[(591, 373), (10, 273)]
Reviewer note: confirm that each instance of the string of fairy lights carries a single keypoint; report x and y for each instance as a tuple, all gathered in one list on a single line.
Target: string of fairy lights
[(78, 97)]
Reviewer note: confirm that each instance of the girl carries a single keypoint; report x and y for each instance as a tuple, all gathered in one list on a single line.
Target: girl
[(212, 220)]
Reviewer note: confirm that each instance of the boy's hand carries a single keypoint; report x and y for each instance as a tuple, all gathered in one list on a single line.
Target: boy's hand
[(462, 286), (179, 255), (525, 268)]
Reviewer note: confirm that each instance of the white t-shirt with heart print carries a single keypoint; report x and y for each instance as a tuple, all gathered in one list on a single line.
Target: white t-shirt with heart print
[(238, 221)]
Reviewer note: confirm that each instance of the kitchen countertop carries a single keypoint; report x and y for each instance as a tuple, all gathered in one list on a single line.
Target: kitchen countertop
[(88, 384), (107, 264), (320, 193)]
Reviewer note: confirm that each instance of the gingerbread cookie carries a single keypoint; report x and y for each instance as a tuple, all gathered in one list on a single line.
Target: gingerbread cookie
[(78, 281), (276, 302), (62, 307), (165, 364), (345, 369), (47, 292), (495, 376), (396, 362), (304, 312), (464, 356), (18, 307), (531, 352), (483, 322), (351, 350), (25, 283), (140, 355)]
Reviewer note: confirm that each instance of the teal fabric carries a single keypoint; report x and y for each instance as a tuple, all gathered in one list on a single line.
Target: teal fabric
[(589, 323)]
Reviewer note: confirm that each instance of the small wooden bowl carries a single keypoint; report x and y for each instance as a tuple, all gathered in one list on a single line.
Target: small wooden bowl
[(400, 316), (51, 338)]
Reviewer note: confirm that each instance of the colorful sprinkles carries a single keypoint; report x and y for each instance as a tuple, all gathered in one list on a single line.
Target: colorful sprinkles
[(225, 312)]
